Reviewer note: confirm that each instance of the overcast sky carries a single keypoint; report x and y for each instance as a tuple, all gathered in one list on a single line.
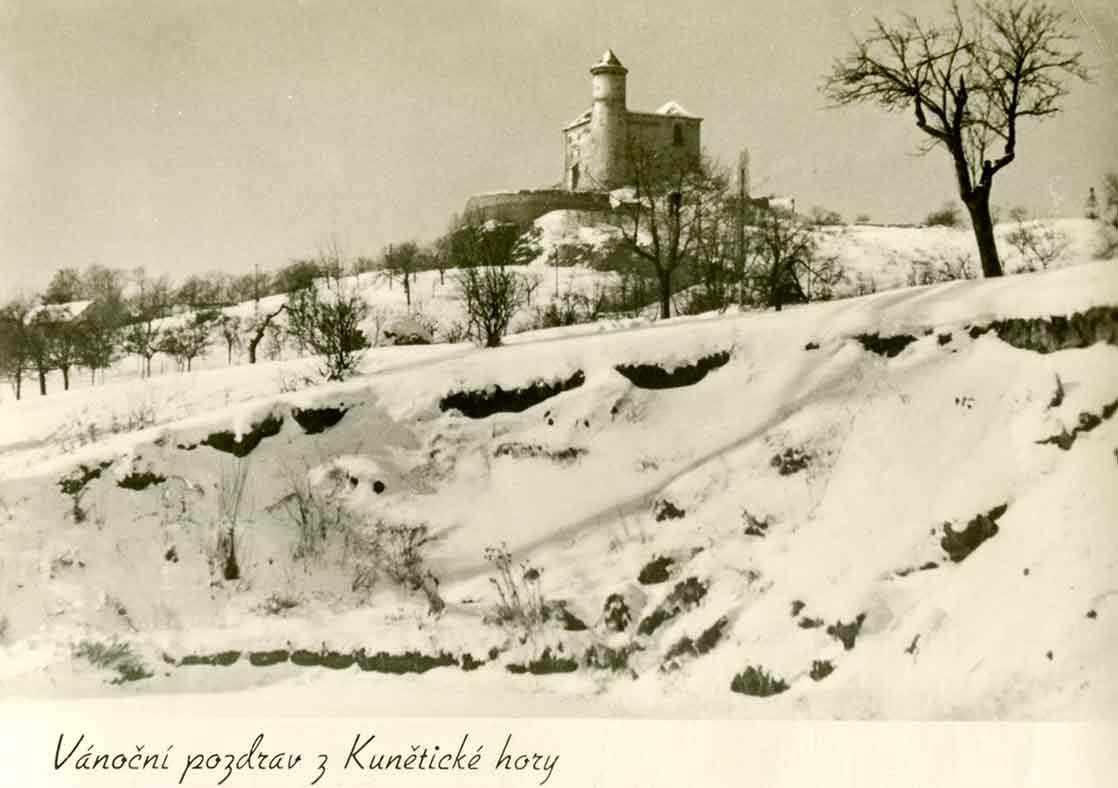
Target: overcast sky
[(188, 136)]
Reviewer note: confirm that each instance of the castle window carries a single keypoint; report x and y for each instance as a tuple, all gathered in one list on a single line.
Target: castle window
[(574, 177), (677, 135)]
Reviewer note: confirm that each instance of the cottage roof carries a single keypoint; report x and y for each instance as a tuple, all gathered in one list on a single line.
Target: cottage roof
[(58, 312)]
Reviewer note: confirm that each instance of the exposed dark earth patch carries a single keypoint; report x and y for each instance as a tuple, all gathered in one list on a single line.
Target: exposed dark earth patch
[(664, 509), (791, 460), (407, 662), (533, 451), (616, 614), (545, 663), (1050, 334), (380, 662), (1087, 422), (754, 526), (885, 346), (262, 659), (683, 597), (821, 669), (686, 648), (811, 346), (943, 339), (479, 404), (227, 442), (602, 657), (960, 544), (316, 420), (847, 633), (568, 620), (656, 571), (908, 570), (653, 376), (140, 481), (80, 477), (757, 682), (221, 659)]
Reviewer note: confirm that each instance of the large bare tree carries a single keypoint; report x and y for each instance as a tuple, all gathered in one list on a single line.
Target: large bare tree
[(968, 82), (675, 193)]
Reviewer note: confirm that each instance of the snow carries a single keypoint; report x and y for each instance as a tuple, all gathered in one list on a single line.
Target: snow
[(894, 448), (673, 108), (66, 311)]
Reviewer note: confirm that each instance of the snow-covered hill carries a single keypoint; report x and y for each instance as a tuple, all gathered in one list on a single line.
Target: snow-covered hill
[(899, 505)]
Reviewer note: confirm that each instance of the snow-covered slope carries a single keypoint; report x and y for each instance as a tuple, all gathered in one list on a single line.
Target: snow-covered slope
[(890, 506)]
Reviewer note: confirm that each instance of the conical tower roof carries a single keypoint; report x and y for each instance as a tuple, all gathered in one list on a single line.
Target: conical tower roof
[(609, 62)]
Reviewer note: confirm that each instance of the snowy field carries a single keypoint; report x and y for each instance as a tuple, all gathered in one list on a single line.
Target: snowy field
[(891, 506)]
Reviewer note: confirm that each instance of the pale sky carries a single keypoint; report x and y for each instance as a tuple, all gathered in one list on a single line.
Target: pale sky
[(188, 136)]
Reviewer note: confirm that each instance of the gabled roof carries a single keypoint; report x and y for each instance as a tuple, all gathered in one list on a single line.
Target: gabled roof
[(673, 108), (58, 312)]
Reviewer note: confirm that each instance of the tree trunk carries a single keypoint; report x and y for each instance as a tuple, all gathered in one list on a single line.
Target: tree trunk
[(665, 279), (978, 206), (42, 382), (65, 378)]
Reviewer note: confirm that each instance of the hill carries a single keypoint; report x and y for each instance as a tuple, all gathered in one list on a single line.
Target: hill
[(897, 506)]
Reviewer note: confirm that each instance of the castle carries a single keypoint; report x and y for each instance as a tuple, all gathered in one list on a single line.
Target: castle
[(596, 145), (596, 151)]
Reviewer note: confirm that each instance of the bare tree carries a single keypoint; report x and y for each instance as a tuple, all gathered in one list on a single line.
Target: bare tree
[(968, 82), (326, 320), (148, 305), (784, 265), (191, 339), (230, 328), (61, 340), (490, 291), (401, 261), (663, 220), (258, 328), (714, 261), (15, 343), (1038, 244)]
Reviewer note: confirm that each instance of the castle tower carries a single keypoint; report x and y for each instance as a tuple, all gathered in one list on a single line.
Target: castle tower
[(606, 157)]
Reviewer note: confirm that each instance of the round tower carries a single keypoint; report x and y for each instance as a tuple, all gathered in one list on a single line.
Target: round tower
[(608, 123)]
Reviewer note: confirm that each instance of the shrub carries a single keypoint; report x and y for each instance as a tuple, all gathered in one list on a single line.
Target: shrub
[(821, 669), (278, 603), (491, 296), (113, 655), (1038, 244), (325, 319), (393, 549), (315, 516), (398, 549), (946, 216), (757, 682), (521, 601), (231, 492)]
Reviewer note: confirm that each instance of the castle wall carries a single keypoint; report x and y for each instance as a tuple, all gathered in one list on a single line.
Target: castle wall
[(658, 133), (526, 206)]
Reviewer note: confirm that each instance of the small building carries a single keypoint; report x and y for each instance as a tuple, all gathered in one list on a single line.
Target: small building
[(597, 145)]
